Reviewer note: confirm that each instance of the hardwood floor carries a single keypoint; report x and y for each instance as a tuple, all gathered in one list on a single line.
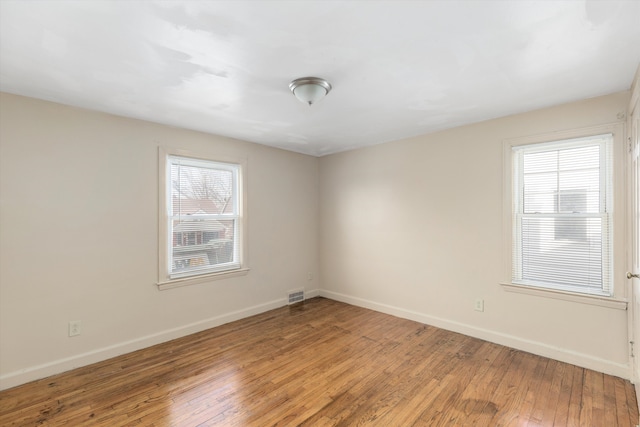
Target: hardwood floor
[(324, 363)]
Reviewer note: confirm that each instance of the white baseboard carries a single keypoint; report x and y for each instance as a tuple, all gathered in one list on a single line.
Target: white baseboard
[(541, 349), (312, 293), (23, 376)]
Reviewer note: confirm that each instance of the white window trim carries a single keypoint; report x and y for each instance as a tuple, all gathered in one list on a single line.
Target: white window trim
[(618, 299), (164, 279)]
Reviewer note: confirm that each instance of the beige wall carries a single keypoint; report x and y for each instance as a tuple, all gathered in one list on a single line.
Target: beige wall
[(414, 228), (78, 236)]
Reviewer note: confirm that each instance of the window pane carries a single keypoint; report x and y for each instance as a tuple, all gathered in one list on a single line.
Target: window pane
[(588, 179), (561, 181), (563, 251), (202, 244), (198, 190), (540, 191), (580, 158), (540, 162)]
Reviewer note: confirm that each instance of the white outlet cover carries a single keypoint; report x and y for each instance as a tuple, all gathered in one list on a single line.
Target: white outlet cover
[(75, 328)]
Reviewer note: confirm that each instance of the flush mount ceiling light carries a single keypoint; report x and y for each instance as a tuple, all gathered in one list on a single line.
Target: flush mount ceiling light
[(310, 89)]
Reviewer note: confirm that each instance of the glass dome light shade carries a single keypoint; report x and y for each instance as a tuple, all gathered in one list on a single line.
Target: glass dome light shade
[(310, 89)]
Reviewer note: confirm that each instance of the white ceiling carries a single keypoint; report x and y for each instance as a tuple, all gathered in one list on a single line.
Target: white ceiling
[(398, 68)]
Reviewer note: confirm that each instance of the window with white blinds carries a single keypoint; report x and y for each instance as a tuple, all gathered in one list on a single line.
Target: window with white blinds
[(562, 215), (202, 216)]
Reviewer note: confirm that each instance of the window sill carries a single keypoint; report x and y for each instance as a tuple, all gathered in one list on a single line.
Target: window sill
[(186, 281), (602, 301)]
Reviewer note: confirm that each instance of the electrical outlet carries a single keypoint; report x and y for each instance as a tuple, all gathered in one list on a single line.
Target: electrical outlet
[(75, 327), (309, 276), (479, 305)]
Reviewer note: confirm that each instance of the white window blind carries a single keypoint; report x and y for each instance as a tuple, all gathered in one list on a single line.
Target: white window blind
[(203, 214), (562, 210)]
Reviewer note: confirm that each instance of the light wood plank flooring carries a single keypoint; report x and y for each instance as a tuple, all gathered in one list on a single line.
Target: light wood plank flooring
[(324, 363)]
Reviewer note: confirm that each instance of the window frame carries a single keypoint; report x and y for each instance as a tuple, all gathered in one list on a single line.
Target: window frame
[(167, 279), (617, 299)]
